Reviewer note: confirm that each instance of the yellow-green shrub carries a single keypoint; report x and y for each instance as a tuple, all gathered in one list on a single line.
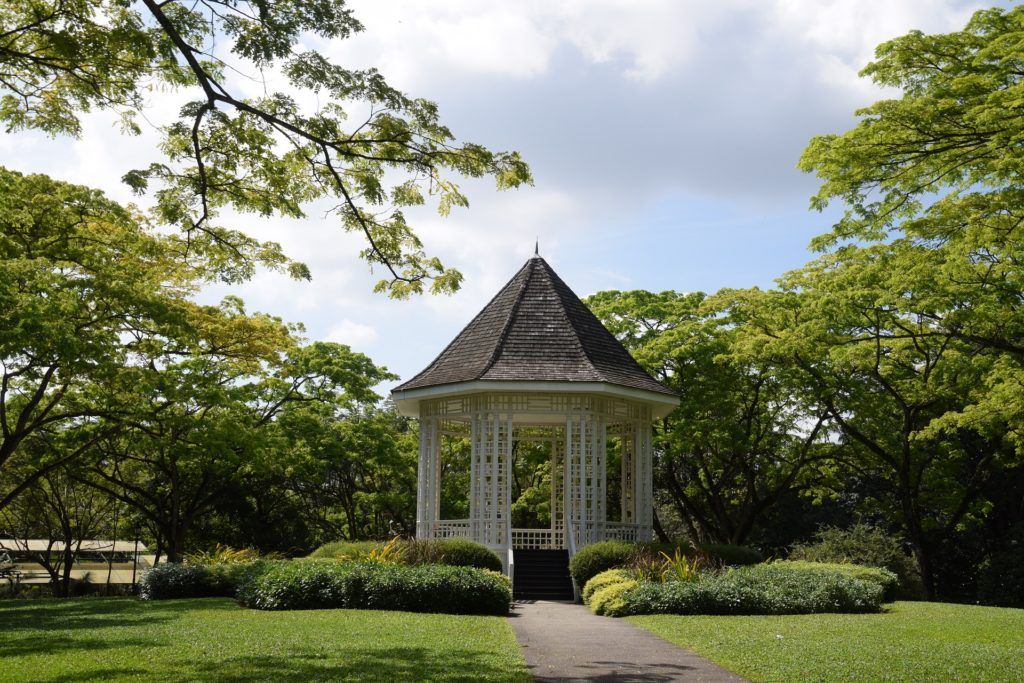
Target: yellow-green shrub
[(602, 580), (610, 600)]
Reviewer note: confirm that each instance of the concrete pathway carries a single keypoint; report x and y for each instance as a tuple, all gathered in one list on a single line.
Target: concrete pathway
[(566, 642)]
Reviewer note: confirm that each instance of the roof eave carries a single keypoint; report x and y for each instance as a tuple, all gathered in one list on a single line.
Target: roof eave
[(407, 401)]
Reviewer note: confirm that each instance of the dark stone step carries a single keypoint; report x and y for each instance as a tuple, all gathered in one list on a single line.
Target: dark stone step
[(542, 575)]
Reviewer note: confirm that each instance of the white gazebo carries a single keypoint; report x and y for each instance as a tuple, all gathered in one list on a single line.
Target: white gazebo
[(535, 365)]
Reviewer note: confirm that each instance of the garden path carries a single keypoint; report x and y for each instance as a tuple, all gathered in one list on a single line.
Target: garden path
[(566, 642)]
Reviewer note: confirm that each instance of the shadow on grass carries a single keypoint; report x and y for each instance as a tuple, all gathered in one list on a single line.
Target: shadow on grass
[(33, 645), (390, 664), (95, 613)]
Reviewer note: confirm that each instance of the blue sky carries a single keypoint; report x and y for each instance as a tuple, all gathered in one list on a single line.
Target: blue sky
[(663, 136)]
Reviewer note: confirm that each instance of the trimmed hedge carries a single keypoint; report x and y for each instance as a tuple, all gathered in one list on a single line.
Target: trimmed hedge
[(461, 552), (758, 589), (595, 558), (887, 580), (169, 581), (324, 584), (455, 552), (611, 599)]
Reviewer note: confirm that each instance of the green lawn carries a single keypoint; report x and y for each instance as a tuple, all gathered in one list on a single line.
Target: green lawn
[(215, 640), (912, 641)]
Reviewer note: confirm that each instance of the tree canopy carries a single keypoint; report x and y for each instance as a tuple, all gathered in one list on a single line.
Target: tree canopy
[(365, 147)]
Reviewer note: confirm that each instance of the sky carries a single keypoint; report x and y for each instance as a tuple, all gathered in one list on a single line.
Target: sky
[(663, 136)]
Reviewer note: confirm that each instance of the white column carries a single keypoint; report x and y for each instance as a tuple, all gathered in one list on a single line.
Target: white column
[(422, 528), (569, 480), (490, 477), (475, 475), (628, 473), (600, 458), (428, 478), (644, 480)]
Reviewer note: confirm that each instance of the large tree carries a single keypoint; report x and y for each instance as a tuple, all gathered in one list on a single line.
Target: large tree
[(86, 289), (741, 438), (331, 133), (202, 421), (881, 376), (937, 171)]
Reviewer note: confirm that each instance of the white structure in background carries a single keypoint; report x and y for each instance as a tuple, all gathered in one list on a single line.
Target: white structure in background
[(536, 365)]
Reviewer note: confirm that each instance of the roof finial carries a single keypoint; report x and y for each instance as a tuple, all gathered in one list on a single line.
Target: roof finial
[(536, 247)]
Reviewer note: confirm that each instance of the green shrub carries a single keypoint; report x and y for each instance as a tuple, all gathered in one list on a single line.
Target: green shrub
[(171, 580), (732, 555), (595, 558), (868, 546), (880, 576), (612, 576), (646, 558), (611, 600), (319, 584), (455, 552), (757, 589), (312, 584), (1001, 581), (340, 550), (461, 552)]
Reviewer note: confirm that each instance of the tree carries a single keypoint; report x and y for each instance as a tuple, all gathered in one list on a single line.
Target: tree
[(357, 479), (919, 293), (85, 288), (881, 376), (206, 420), (265, 155), (939, 168), (62, 511), (741, 437)]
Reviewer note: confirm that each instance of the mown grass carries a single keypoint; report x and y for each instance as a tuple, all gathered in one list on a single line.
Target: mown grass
[(216, 640), (911, 641)]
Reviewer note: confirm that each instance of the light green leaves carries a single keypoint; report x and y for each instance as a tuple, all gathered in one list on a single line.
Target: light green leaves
[(267, 156)]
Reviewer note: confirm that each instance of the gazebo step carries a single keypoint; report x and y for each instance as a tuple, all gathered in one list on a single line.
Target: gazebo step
[(542, 575)]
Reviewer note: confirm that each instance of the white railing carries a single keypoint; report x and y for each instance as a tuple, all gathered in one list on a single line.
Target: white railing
[(538, 539), (450, 528), (618, 531)]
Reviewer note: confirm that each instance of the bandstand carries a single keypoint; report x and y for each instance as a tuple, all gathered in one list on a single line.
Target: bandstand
[(536, 366)]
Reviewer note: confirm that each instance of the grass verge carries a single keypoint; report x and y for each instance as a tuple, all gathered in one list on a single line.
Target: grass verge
[(910, 641), (216, 640)]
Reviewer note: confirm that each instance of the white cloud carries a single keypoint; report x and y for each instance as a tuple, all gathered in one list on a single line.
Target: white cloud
[(356, 335)]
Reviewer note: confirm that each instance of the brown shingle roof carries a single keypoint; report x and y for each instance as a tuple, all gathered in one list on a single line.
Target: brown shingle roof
[(535, 329)]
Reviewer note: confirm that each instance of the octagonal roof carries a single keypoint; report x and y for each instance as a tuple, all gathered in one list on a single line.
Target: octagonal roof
[(536, 329)]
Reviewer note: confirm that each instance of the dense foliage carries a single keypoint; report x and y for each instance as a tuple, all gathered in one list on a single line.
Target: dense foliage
[(865, 546), (454, 552), (595, 558), (881, 577), (1002, 574), (324, 584), (757, 589)]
